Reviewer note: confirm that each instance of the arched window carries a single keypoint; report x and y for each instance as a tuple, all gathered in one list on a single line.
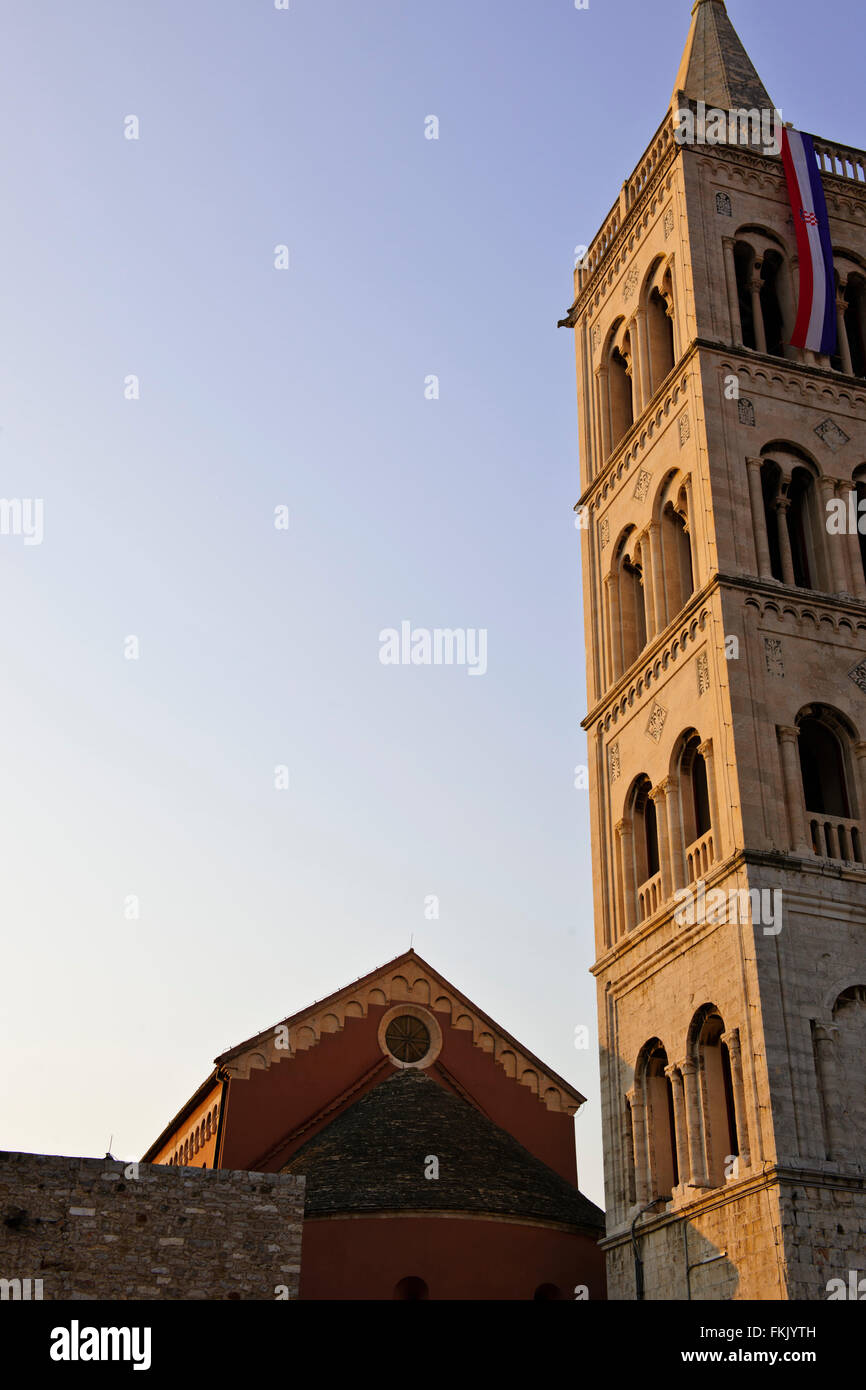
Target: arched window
[(645, 841), (717, 1095), (764, 294), (197, 1138), (660, 1126), (627, 612), (695, 807), (794, 523), (660, 333), (827, 786), (770, 305), (676, 555), (855, 322), (621, 403), (411, 1288), (849, 1016), (743, 259), (207, 1126), (546, 1293)]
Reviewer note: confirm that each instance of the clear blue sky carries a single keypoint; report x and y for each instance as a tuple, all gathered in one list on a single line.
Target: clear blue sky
[(306, 388)]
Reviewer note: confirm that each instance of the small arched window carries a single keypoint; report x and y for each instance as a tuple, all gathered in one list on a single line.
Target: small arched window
[(855, 322), (717, 1096), (770, 304), (695, 807), (828, 786), (412, 1288), (660, 332), (661, 1130), (645, 843), (676, 555), (621, 402), (795, 523)]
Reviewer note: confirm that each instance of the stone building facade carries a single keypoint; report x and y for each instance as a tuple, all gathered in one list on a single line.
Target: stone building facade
[(725, 620), (87, 1228)]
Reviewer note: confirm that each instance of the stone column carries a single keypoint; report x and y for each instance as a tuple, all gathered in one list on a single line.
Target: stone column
[(731, 1040), (759, 520), (658, 796), (673, 1074), (638, 1135), (828, 1079), (694, 1128), (781, 505), (733, 298), (756, 284), (658, 576), (675, 833), (603, 411), (706, 751), (648, 586), (646, 380), (615, 627), (789, 742), (624, 831), (832, 544), (691, 530), (842, 334), (607, 618), (675, 328)]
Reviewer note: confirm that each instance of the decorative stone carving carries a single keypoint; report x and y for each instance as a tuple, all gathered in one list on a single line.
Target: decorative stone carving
[(641, 487), (858, 676), (613, 762), (604, 532), (685, 427), (773, 656), (656, 722), (830, 434), (746, 411), (703, 673), (596, 336), (723, 205), (669, 222), (631, 281)]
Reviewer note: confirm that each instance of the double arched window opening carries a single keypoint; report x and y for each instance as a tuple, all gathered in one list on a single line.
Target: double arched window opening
[(686, 1121), (651, 577), (666, 839), (638, 354)]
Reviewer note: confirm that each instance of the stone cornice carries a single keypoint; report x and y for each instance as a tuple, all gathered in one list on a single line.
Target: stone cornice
[(771, 1175), (654, 661), (820, 386)]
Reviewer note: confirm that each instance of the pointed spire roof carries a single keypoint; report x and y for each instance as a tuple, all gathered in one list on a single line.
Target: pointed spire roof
[(715, 66)]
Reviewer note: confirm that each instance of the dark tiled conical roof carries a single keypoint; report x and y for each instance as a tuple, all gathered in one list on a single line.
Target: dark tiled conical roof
[(372, 1157), (715, 66)]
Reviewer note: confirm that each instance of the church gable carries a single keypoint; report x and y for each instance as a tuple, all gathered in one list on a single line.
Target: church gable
[(287, 1083), (407, 980)]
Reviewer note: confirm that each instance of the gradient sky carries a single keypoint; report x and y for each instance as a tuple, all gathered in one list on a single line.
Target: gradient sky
[(304, 387)]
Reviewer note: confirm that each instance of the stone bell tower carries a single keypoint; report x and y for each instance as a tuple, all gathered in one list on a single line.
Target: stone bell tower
[(724, 588)]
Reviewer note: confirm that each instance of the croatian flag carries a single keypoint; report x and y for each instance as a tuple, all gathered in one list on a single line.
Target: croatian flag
[(816, 312)]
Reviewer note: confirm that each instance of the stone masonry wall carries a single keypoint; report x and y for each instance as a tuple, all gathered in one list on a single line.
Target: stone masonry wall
[(92, 1228)]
